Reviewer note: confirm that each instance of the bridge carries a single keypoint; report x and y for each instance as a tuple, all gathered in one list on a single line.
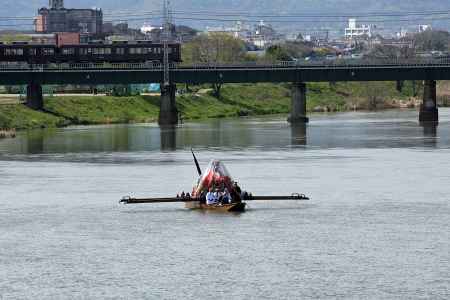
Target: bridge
[(428, 70)]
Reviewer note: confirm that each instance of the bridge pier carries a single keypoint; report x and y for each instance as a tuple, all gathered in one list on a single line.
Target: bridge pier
[(168, 113), (35, 99), (429, 110), (298, 104), (399, 85)]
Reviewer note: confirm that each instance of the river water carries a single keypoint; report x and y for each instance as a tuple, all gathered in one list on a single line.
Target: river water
[(377, 226)]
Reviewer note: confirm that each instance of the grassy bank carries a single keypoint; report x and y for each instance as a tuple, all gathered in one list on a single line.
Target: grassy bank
[(261, 99), (199, 103), (20, 117), (104, 110)]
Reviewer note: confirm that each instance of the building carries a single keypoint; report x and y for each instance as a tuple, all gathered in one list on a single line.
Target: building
[(58, 39), (354, 31), (261, 36), (423, 28), (60, 19), (147, 28)]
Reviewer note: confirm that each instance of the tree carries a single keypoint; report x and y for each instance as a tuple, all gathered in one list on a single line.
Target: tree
[(278, 53), (432, 40), (375, 93), (288, 51), (214, 48), (386, 51)]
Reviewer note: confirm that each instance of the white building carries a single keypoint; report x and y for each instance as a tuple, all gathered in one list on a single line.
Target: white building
[(423, 28), (239, 30), (147, 28), (354, 31)]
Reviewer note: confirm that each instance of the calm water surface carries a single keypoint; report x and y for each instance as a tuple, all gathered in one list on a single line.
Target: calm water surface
[(377, 226)]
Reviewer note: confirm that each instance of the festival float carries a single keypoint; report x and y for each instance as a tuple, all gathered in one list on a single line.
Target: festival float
[(216, 183)]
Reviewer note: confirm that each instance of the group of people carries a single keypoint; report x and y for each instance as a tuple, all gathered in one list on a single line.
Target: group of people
[(222, 195), (217, 196)]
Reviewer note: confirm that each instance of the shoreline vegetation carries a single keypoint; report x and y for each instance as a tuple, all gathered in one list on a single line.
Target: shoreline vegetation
[(200, 102)]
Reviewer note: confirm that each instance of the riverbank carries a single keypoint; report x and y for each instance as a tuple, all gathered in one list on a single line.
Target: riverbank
[(198, 102), (18, 116)]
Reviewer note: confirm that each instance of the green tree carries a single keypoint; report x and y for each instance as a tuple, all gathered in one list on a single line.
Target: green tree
[(375, 93), (278, 53), (288, 51)]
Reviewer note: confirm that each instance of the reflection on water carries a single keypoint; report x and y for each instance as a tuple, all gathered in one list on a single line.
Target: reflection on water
[(389, 129), (168, 138), (430, 134), (299, 135)]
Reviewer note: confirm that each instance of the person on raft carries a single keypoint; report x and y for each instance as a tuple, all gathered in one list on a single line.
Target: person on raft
[(216, 196), (226, 197), (212, 197)]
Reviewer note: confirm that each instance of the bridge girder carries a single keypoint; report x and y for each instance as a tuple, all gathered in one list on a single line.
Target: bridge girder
[(225, 75)]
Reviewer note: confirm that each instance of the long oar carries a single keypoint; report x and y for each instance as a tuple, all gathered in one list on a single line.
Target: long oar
[(196, 164), (129, 200), (295, 196)]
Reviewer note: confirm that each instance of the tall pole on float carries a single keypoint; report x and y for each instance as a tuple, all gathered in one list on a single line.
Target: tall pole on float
[(166, 35)]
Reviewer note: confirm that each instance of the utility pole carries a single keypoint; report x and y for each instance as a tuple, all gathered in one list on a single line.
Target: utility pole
[(166, 37)]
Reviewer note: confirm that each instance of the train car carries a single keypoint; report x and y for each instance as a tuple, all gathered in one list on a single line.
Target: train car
[(22, 52), (92, 53), (118, 52)]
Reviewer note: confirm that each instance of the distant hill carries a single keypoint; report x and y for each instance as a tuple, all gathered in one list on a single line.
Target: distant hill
[(29, 7)]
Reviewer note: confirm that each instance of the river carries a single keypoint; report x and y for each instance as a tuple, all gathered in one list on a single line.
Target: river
[(377, 226)]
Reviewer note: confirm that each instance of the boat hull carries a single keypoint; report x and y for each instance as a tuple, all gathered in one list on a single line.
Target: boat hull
[(235, 207)]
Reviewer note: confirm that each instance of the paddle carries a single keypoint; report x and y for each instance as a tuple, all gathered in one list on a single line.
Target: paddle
[(129, 200), (196, 164)]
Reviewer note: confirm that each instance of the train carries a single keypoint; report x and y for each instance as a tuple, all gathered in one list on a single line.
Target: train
[(116, 52)]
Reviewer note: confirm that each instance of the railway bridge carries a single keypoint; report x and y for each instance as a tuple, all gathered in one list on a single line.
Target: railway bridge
[(429, 71)]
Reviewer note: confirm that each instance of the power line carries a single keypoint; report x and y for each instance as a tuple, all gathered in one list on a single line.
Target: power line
[(245, 14), (210, 14), (15, 25), (383, 20)]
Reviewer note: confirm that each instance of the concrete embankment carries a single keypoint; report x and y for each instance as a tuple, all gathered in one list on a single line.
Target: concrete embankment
[(7, 133)]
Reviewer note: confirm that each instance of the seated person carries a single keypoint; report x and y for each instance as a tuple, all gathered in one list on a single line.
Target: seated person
[(211, 197), (218, 194), (226, 197)]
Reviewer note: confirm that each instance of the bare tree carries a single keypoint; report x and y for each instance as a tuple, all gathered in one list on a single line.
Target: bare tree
[(214, 48)]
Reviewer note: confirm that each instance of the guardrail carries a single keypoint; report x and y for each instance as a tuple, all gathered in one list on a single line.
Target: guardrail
[(337, 63)]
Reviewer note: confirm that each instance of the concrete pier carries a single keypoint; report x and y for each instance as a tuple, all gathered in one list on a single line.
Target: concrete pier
[(35, 99), (298, 104), (168, 114), (429, 110), (399, 85)]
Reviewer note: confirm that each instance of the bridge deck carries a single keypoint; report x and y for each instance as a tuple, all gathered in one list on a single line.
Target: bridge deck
[(237, 73)]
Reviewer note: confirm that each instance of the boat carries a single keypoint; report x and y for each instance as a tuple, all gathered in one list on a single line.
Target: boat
[(215, 177), (233, 207)]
